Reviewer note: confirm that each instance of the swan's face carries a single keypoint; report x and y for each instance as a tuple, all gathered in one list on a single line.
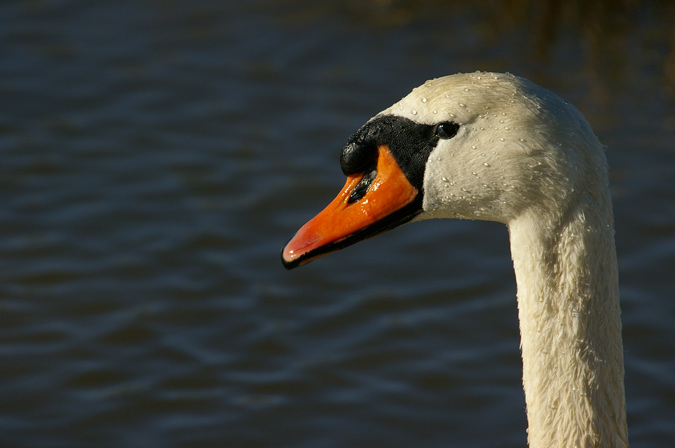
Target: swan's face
[(477, 146), (517, 146)]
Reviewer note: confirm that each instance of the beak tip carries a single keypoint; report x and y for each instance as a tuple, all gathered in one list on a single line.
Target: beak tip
[(288, 264), (292, 260), (289, 258)]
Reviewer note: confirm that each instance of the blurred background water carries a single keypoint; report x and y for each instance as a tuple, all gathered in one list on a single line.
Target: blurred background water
[(155, 156)]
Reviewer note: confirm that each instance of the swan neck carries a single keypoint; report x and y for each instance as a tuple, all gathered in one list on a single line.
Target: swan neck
[(568, 305)]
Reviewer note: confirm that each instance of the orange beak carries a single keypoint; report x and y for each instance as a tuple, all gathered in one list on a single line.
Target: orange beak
[(345, 222)]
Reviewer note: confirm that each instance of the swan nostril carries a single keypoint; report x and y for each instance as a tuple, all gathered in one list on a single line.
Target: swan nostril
[(362, 187), (358, 157)]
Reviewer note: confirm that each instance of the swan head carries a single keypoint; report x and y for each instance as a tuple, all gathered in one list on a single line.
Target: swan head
[(472, 146)]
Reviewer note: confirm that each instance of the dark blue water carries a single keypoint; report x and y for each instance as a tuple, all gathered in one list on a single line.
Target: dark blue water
[(156, 155)]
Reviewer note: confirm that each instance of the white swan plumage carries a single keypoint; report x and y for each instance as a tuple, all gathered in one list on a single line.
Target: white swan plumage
[(500, 148)]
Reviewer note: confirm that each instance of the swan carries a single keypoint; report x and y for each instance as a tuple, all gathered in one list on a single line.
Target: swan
[(498, 147)]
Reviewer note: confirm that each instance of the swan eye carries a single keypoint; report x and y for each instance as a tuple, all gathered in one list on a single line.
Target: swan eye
[(446, 130)]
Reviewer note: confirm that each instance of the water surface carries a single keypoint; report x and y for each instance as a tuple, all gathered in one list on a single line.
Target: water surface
[(157, 154)]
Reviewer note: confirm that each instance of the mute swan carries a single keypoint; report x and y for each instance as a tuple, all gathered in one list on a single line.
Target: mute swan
[(497, 147)]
